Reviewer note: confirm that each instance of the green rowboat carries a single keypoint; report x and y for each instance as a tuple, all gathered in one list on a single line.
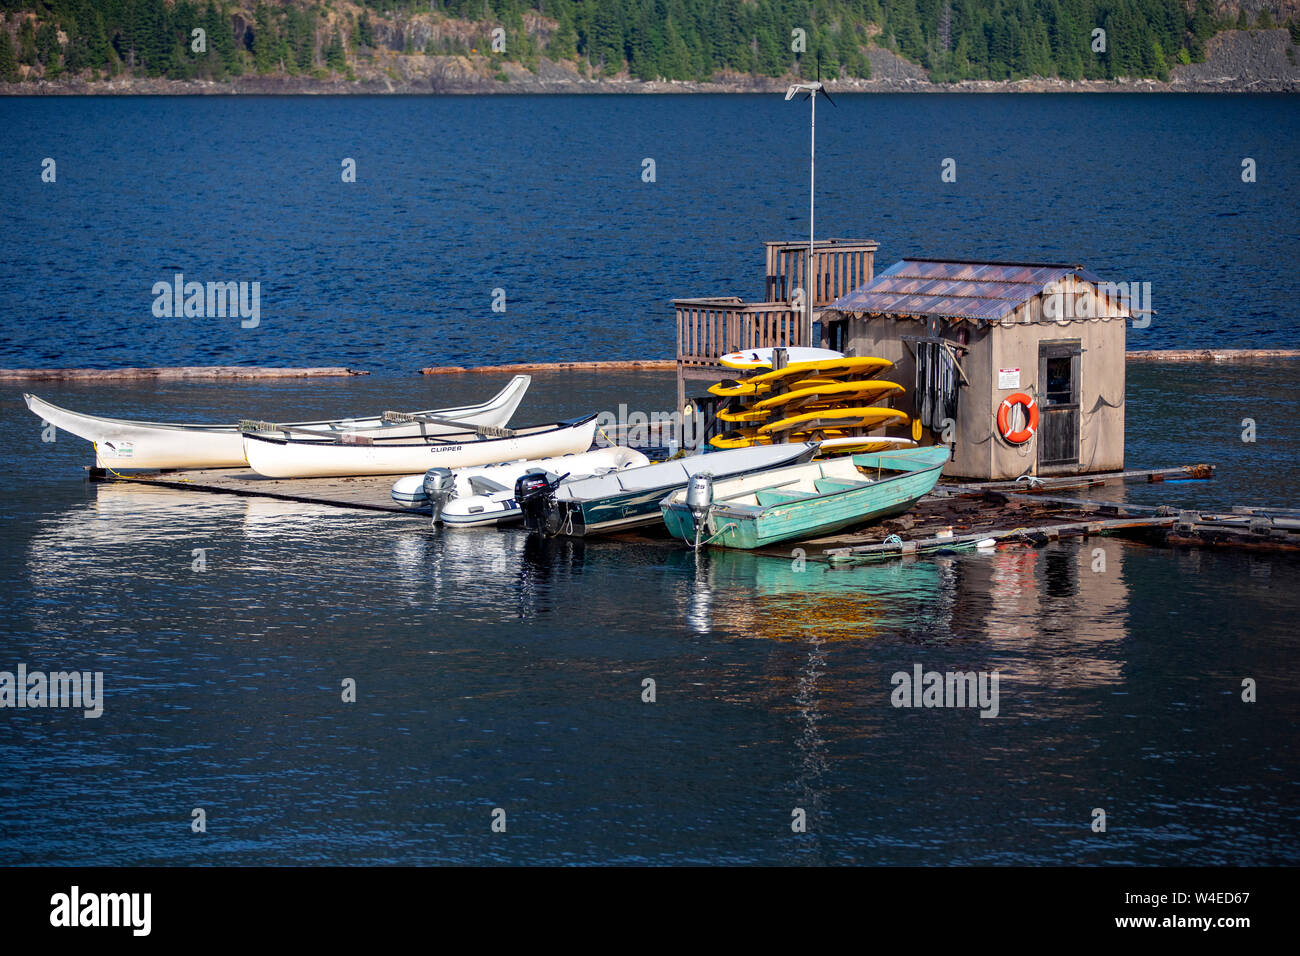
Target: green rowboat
[(801, 501)]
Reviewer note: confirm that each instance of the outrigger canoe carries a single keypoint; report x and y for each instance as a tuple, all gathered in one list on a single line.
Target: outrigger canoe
[(122, 444), (278, 456), (802, 501)]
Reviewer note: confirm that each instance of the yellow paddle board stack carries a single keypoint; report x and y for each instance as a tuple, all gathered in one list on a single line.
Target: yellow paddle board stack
[(830, 400)]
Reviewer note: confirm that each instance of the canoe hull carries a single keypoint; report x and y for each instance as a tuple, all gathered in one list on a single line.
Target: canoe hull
[(290, 458), (121, 444), (749, 527)]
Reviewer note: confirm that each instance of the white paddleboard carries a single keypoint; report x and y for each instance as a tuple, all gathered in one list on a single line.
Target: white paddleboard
[(762, 358)]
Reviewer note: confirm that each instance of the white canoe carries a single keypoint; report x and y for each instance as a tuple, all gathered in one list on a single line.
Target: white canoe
[(287, 457), (121, 444)]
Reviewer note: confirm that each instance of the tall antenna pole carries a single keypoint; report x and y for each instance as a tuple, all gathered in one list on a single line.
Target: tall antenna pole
[(812, 229)]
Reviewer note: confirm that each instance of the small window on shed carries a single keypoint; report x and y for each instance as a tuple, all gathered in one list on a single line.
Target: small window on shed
[(1059, 387)]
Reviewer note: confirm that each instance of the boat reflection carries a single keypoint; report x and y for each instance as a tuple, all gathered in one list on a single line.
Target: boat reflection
[(787, 600), (1055, 616)]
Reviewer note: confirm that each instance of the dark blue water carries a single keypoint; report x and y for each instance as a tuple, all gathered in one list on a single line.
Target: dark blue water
[(544, 198), (494, 672)]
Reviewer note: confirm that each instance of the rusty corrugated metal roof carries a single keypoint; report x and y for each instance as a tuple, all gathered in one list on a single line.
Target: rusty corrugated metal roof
[(982, 291)]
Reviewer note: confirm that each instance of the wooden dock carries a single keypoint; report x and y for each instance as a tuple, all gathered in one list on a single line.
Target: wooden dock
[(954, 516), (370, 494)]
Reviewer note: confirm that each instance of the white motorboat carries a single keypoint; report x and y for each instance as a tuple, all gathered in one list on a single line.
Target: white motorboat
[(471, 497), (628, 499)]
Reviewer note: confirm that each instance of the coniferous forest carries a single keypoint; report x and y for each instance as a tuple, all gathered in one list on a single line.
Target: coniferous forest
[(952, 40)]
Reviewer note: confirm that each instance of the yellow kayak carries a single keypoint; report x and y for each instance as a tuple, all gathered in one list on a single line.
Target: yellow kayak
[(746, 388), (835, 418), (747, 437), (743, 438), (745, 415), (863, 445), (865, 367), (828, 393)]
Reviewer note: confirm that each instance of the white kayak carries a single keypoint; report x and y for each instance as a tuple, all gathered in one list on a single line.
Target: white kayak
[(762, 358), (278, 456), (468, 497), (121, 444)]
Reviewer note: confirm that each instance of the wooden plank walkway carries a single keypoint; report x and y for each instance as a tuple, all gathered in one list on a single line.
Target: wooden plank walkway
[(955, 515), (371, 494)]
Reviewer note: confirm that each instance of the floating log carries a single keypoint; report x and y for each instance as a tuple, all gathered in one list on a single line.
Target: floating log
[(184, 373), (1032, 484), (639, 365), (1210, 355)]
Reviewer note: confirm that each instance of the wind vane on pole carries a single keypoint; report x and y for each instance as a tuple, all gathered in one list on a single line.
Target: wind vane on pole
[(810, 91)]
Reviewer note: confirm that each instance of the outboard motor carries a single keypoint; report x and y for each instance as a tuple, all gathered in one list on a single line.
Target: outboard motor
[(439, 488), (535, 493), (699, 499)]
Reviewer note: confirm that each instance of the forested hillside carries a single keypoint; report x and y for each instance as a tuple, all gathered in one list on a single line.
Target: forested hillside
[(644, 39)]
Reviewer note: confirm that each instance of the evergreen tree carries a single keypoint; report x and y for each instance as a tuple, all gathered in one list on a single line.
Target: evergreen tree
[(681, 39), (27, 43), (47, 45), (265, 40), (8, 58), (365, 31), (336, 59), (221, 41)]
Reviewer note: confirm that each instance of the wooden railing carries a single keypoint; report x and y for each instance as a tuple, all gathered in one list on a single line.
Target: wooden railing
[(839, 267), (710, 328)]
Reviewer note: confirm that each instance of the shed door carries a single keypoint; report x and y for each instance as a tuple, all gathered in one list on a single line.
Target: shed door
[(1058, 383)]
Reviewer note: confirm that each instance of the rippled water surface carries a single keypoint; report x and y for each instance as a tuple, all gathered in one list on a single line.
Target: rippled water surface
[(544, 199), (495, 671)]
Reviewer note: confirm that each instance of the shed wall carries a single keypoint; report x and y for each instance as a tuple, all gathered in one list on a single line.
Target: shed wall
[(979, 452)]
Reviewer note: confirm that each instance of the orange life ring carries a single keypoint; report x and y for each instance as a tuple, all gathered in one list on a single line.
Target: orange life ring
[(1004, 418)]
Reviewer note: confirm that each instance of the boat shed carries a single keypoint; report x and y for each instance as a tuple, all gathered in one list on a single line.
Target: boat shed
[(1018, 365)]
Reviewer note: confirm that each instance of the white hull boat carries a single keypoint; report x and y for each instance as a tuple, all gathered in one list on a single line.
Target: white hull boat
[(629, 499), (122, 444), (309, 457), (472, 497)]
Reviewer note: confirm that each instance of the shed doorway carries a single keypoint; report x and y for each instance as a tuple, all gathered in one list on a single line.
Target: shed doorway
[(1058, 427)]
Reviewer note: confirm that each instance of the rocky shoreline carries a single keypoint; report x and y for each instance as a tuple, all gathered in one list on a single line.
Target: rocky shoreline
[(1246, 61)]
